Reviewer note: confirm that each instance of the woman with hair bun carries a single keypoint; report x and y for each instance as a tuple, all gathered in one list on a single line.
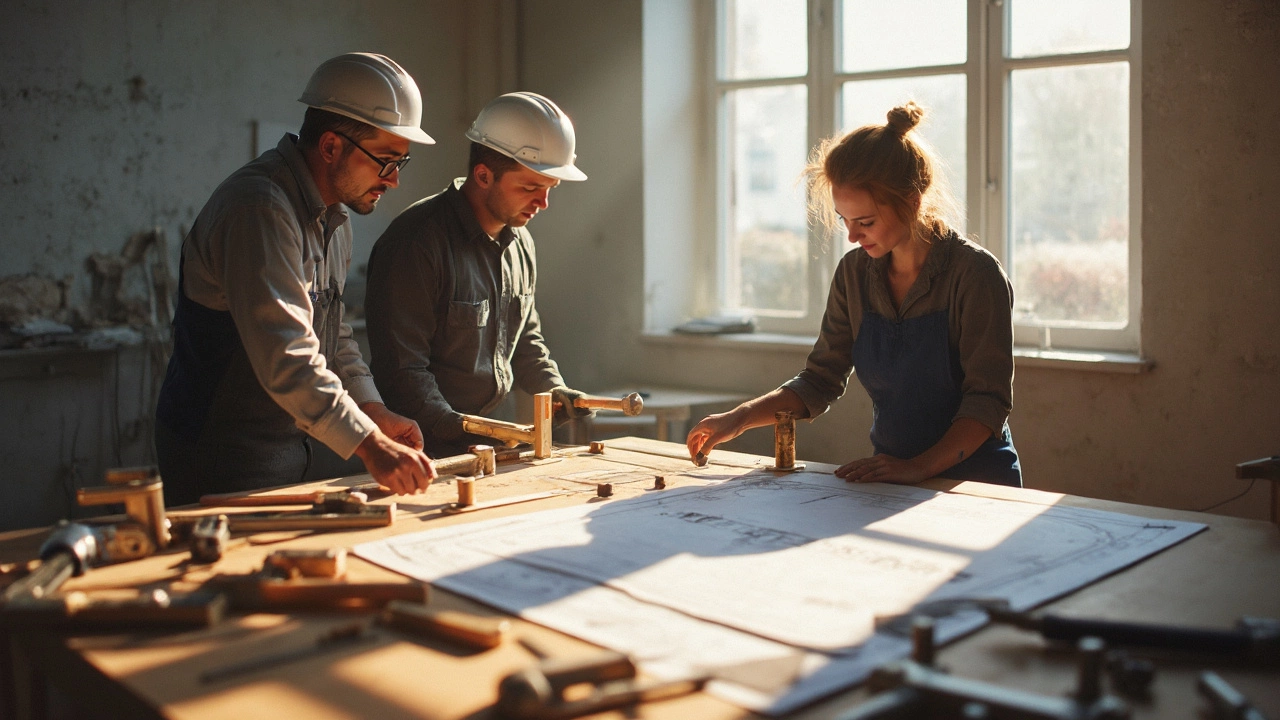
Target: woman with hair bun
[(923, 314)]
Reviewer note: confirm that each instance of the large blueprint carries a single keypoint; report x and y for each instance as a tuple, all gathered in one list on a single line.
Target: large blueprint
[(783, 587)]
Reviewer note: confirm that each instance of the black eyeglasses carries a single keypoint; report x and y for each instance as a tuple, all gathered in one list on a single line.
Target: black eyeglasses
[(388, 166)]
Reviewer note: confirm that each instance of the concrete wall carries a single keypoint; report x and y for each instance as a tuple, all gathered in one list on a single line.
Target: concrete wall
[(123, 115)]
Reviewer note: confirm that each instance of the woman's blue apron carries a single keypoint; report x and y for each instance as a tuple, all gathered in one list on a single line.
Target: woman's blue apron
[(914, 381)]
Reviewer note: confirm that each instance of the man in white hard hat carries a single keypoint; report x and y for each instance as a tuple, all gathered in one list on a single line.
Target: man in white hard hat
[(450, 296), (266, 385)]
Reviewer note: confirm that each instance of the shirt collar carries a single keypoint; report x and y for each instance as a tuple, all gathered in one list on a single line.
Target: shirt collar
[(940, 247), (467, 216), (313, 204)]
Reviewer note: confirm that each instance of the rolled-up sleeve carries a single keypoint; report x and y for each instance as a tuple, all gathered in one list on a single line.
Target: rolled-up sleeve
[(826, 372), (984, 316), (258, 248)]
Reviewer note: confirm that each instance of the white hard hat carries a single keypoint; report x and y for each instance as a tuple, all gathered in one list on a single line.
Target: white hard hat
[(372, 89), (529, 128)]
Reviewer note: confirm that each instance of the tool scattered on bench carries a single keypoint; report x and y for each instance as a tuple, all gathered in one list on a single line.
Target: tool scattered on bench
[(338, 638), (210, 537), (479, 461), (538, 692), (345, 515), (154, 609), (784, 442), (915, 688), (1252, 639), (73, 548), (141, 492), (328, 498), (473, 631), (538, 434), (630, 405), (1226, 703), (304, 580)]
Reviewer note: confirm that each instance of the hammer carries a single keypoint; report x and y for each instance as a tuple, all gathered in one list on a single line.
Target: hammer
[(631, 405), (69, 550), (141, 492), (538, 693), (538, 434)]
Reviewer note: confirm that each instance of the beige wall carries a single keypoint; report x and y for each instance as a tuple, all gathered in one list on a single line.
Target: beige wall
[(1211, 297)]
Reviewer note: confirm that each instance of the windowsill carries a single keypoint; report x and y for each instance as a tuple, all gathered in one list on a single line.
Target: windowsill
[(1095, 361), (1091, 360)]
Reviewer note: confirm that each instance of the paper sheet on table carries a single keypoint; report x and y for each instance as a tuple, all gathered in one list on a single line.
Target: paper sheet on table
[(773, 583)]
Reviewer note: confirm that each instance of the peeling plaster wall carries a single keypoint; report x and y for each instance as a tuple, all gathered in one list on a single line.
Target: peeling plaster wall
[(117, 116), (123, 115)]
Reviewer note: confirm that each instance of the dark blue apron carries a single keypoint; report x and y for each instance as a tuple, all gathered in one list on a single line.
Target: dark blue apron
[(914, 381), (217, 429)]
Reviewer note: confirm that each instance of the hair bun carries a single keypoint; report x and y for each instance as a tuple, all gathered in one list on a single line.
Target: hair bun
[(904, 118)]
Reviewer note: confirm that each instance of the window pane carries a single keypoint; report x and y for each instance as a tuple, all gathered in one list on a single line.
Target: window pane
[(943, 98), (764, 39), (878, 35), (768, 248), (1053, 27), (1069, 193)]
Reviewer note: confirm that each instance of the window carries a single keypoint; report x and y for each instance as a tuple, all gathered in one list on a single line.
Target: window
[(1031, 107)]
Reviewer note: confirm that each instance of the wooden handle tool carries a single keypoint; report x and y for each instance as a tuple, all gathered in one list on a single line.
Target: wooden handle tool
[(474, 631)]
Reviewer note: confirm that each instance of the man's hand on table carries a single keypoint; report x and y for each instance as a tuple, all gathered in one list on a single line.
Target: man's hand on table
[(393, 453)]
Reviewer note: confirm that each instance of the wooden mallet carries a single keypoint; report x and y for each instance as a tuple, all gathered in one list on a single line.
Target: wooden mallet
[(631, 405), (538, 434)]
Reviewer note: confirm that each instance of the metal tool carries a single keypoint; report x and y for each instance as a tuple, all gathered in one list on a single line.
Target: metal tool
[(345, 516), (333, 498), (1252, 638), (209, 538), (338, 638), (73, 548), (538, 434), (630, 405), (784, 442), (474, 631), (1226, 702), (915, 688), (141, 492), (538, 692)]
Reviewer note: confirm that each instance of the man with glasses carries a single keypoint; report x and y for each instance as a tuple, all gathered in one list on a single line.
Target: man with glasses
[(266, 385), (450, 300)]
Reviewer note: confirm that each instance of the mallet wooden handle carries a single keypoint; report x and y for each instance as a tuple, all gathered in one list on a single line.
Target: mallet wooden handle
[(497, 429), (630, 405)]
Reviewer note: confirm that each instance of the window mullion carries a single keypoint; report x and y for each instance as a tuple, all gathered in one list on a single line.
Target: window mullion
[(995, 117), (822, 122)]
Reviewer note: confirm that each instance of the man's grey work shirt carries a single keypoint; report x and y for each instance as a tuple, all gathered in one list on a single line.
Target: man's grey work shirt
[(960, 277), (262, 243), (451, 316)]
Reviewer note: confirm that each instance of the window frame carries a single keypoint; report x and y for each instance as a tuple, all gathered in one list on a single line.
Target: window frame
[(987, 70)]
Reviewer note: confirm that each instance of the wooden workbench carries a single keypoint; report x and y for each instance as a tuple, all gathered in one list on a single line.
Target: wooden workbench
[(1210, 580)]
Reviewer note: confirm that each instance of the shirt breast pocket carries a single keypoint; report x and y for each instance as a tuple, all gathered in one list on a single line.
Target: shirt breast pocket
[(468, 313)]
